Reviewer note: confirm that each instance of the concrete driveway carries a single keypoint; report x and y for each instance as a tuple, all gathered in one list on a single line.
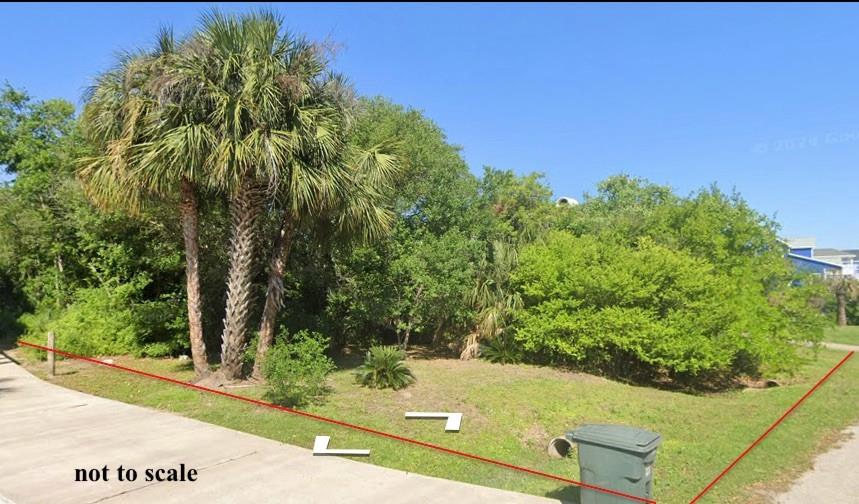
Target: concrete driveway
[(47, 431)]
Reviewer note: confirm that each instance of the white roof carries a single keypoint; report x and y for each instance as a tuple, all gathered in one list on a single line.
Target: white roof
[(806, 242)]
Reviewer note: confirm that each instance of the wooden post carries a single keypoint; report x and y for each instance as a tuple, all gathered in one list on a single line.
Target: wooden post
[(51, 361)]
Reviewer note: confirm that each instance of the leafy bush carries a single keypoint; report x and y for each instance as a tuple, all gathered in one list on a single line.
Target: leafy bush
[(639, 310), (384, 367), (502, 350), (296, 368), (98, 322), (108, 320)]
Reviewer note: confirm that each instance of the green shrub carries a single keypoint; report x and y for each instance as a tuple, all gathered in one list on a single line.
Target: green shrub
[(250, 353), (642, 309), (502, 350), (296, 368), (108, 320), (162, 326), (99, 321), (384, 367)]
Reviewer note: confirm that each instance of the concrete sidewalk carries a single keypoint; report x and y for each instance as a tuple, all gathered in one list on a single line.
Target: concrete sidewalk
[(841, 346), (47, 431), (833, 479)]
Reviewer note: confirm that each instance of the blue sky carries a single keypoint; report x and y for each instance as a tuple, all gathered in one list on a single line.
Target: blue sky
[(761, 98)]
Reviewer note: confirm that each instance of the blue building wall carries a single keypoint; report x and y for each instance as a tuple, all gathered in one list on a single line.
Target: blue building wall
[(811, 265), (804, 252)]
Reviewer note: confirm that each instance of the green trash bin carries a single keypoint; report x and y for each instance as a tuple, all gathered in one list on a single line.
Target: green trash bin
[(615, 457)]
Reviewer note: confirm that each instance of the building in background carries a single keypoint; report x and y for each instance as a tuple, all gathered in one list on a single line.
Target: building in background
[(826, 262)]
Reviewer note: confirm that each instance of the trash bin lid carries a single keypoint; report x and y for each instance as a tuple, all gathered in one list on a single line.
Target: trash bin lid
[(617, 436)]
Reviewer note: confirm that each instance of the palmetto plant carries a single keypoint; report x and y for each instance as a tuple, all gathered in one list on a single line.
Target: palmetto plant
[(493, 297), (127, 119), (336, 191), (255, 84), (347, 202), (233, 107), (844, 288), (385, 367), (501, 350)]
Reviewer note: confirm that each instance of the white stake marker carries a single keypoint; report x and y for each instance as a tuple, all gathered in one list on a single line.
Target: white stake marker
[(320, 447), (453, 419)]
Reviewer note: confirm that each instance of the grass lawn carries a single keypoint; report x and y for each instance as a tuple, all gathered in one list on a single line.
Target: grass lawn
[(510, 413), (848, 335)]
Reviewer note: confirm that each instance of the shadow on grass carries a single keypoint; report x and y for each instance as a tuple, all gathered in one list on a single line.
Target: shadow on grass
[(182, 366), (297, 401), (430, 353), (352, 357), (349, 358), (569, 494)]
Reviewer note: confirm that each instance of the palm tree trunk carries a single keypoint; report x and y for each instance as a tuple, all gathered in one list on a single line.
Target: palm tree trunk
[(841, 298), (274, 290), (245, 210), (472, 346), (190, 233)]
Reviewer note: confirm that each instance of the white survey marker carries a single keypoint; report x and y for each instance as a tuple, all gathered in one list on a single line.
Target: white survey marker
[(320, 447), (453, 419)]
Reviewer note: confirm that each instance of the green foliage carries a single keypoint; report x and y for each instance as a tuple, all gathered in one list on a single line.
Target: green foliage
[(771, 303), (385, 367), (853, 313), (637, 310), (108, 320), (502, 350), (514, 209), (629, 286), (38, 141), (419, 283), (437, 188), (296, 367), (493, 297), (413, 283)]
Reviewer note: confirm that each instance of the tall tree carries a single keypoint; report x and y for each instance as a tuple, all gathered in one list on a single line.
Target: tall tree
[(415, 280), (255, 82), (344, 198), (145, 133)]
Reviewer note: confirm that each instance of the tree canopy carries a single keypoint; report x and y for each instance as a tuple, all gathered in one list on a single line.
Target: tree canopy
[(227, 181)]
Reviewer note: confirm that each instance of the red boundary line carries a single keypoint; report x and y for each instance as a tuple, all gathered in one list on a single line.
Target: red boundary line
[(771, 428), (348, 425)]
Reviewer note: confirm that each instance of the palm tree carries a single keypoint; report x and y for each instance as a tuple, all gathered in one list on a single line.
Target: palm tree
[(127, 118), (845, 289), (339, 190), (255, 83), (345, 197), (493, 297)]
